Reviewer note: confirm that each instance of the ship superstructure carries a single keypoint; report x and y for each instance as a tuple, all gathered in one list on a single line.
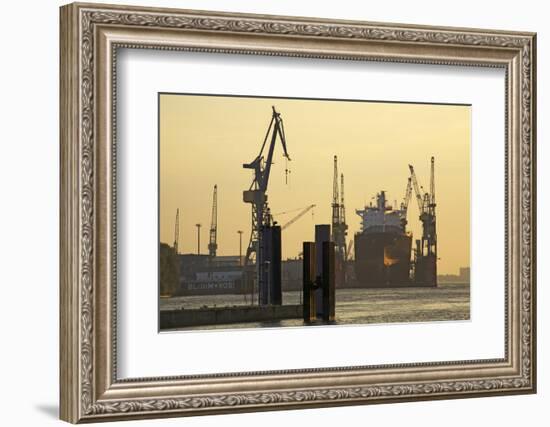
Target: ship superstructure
[(381, 217), (383, 246)]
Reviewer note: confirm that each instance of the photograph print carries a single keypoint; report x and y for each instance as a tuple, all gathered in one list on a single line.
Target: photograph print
[(277, 212)]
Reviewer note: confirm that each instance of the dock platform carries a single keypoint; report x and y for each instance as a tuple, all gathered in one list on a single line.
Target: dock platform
[(174, 319)]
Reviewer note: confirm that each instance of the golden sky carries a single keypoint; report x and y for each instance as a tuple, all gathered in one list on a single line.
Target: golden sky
[(204, 140)]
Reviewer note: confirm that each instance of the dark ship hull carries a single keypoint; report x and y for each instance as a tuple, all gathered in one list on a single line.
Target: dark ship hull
[(382, 259)]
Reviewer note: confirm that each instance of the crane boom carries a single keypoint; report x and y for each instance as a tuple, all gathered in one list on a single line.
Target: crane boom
[(289, 211), (263, 171), (417, 190), (297, 217), (342, 206), (213, 242), (407, 198)]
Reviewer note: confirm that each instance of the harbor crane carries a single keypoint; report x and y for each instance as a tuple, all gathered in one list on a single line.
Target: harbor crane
[(339, 226), (177, 231), (426, 206), (256, 194), (427, 246), (213, 242)]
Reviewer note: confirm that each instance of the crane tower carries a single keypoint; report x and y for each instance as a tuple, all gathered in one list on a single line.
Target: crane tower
[(177, 231), (213, 242), (425, 265), (339, 226), (256, 195)]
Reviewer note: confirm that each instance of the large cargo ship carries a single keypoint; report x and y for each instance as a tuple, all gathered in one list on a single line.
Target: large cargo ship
[(383, 246)]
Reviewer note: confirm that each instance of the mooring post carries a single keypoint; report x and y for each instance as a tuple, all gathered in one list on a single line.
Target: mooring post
[(308, 278), (329, 282), (270, 289), (322, 234)]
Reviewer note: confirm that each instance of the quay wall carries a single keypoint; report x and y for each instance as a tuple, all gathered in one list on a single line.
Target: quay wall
[(173, 319)]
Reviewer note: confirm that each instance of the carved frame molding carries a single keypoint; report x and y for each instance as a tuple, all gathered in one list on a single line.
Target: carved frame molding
[(90, 36)]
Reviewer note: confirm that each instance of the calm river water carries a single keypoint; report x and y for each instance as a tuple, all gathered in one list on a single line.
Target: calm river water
[(355, 306)]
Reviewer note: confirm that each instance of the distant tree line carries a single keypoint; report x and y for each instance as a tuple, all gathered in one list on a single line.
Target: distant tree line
[(169, 271)]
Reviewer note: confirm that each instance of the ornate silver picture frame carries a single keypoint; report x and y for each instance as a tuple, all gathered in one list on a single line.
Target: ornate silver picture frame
[(91, 36)]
